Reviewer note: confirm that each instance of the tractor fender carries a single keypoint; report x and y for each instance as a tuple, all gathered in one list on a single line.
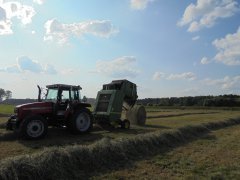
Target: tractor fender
[(81, 106)]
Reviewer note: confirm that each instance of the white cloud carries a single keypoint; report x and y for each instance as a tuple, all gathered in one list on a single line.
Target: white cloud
[(226, 83), (11, 69), (50, 69), (140, 4), (10, 10), (123, 67), (205, 60), (184, 76), (39, 1), (195, 38), (5, 24), (190, 91), (5, 27), (68, 71), (158, 75), (205, 13), (62, 32), (3, 15), (26, 64), (228, 49), (181, 76)]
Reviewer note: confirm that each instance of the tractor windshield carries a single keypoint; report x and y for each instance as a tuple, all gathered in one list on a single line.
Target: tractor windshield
[(52, 94)]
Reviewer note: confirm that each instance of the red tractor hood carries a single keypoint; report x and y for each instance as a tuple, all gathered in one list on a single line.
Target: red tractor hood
[(36, 106)]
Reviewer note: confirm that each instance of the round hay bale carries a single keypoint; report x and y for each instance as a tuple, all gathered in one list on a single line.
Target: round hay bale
[(137, 115)]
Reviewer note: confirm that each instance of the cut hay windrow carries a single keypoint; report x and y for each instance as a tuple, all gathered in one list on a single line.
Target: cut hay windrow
[(78, 161), (177, 115), (2, 125)]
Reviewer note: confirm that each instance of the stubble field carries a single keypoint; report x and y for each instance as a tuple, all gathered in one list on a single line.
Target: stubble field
[(211, 154)]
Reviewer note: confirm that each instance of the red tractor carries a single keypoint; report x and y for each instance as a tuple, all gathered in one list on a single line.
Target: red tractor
[(61, 107)]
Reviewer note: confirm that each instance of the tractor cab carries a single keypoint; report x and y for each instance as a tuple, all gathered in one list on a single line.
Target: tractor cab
[(62, 93), (64, 97)]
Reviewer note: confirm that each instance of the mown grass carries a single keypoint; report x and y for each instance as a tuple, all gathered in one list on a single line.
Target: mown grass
[(162, 120), (11, 146), (77, 162), (180, 118), (214, 156), (6, 109), (162, 108)]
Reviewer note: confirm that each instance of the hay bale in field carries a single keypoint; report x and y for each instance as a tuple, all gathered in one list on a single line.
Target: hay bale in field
[(137, 115)]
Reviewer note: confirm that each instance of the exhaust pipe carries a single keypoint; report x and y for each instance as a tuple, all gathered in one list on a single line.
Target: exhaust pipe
[(39, 93)]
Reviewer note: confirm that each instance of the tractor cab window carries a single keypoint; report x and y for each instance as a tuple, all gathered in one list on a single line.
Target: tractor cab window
[(52, 94), (65, 95)]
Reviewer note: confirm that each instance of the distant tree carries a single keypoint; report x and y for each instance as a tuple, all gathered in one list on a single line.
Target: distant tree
[(8, 94), (2, 93), (5, 94), (222, 100), (84, 99)]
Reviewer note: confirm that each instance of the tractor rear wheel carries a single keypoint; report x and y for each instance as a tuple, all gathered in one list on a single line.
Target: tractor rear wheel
[(33, 127), (81, 121)]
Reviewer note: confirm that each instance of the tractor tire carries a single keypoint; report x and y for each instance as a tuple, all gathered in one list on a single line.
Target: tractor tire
[(33, 127), (81, 122), (125, 124)]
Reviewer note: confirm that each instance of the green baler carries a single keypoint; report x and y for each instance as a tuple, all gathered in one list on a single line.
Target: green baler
[(115, 97)]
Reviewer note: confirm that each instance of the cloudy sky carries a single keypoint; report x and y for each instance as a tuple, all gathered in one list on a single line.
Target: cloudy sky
[(168, 48)]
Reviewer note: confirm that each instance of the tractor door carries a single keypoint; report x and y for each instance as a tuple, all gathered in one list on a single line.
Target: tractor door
[(63, 103)]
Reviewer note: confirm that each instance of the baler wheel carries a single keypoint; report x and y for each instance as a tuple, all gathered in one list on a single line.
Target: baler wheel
[(125, 124)]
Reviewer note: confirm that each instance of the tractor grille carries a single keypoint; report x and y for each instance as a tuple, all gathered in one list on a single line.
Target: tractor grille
[(103, 102)]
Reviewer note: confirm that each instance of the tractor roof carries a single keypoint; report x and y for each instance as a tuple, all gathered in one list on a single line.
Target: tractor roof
[(63, 86)]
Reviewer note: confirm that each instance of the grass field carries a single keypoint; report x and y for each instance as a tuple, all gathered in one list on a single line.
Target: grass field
[(214, 156), (192, 160), (6, 109)]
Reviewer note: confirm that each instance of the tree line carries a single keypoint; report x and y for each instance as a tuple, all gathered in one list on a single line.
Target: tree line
[(219, 101), (5, 94)]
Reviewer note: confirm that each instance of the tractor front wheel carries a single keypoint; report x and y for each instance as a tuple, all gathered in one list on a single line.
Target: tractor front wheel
[(33, 127)]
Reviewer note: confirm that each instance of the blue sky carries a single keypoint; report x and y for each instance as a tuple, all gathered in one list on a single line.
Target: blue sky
[(168, 48)]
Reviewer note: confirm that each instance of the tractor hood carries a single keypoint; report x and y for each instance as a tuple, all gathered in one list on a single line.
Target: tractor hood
[(38, 107)]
